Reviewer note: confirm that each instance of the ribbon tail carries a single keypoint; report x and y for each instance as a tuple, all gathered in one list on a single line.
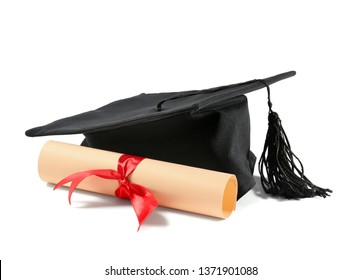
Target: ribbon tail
[(78, 177), (62, 182), (72, 187), (143, 203)]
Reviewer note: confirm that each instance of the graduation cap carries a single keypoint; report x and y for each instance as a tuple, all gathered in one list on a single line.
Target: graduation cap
[(207, 128)]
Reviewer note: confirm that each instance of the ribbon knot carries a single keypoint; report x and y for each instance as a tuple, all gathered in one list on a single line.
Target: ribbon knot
[(142, 200)]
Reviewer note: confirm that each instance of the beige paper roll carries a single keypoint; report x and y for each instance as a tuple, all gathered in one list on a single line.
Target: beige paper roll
[(176, 186)]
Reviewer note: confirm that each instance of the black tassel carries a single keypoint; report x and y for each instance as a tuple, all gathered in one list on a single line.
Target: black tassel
[(281, 171)]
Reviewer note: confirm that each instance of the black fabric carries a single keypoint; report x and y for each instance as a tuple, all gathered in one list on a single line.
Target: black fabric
[(202, 128)]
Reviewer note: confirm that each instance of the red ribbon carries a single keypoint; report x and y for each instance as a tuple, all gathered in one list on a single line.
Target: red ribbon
[(142, 200)]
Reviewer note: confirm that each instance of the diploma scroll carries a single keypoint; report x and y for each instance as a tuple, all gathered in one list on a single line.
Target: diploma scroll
[(175, 186)]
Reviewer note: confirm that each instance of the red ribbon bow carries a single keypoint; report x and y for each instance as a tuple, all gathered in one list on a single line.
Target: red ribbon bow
[(142, 200)]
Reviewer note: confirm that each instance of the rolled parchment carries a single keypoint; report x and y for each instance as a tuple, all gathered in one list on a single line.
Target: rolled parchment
[(175, 186)]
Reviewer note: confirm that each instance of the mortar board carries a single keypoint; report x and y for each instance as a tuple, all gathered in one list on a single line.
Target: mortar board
[(207, 128)]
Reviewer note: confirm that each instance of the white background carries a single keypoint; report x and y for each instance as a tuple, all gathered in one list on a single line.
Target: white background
[(59, 58)]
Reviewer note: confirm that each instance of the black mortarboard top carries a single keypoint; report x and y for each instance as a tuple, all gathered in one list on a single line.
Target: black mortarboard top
[(207, 128)]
